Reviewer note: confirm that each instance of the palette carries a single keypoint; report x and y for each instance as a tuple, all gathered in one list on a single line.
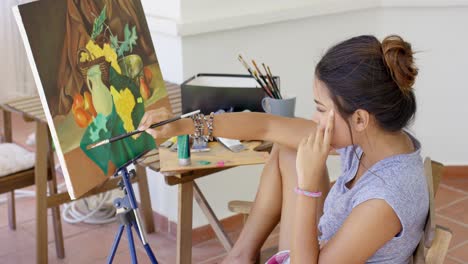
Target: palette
[(219, 156)]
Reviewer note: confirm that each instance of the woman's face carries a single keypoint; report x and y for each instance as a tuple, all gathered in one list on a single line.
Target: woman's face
[(324, 104)]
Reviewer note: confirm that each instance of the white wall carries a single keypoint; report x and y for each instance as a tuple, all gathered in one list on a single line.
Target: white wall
[(163, 8), (291, 36), (439, 36), (15, 73)]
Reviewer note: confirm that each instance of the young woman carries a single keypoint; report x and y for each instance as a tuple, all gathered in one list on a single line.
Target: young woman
[(376, 210)]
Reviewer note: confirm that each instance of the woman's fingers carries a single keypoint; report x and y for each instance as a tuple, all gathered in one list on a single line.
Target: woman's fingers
[(329, 129), (319, 136), (303, 142), (152, 132), (153, 116), (144, 124)]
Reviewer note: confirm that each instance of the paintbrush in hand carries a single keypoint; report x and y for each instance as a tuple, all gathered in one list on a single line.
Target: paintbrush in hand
[(129, 134)]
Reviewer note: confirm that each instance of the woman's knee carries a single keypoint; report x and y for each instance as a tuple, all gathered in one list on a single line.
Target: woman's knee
[(287, 163), (287, 155)]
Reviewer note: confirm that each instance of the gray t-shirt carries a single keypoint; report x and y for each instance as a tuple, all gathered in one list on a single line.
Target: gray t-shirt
[(399, 180)]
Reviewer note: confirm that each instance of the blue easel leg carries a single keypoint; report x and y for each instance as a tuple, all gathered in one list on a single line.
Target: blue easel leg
[(132, 245), (128, 215), (110, 258), (147, 247), (150, 254)]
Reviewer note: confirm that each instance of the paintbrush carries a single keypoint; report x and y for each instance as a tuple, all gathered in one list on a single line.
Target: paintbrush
[(264, 80), (129, 134), (270, 76), (267, 90), (252, 74), (272, 82)]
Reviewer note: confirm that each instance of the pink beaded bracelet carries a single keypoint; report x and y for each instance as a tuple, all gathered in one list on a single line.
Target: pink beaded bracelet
[(307, 193)]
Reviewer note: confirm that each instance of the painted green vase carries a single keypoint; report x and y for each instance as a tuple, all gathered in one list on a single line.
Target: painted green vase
[(102, 98)]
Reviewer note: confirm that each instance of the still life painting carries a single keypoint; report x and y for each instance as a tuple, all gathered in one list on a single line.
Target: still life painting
[(98, 74)]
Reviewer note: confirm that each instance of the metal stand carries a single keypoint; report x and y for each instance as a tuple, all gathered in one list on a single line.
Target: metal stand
[(129, 216)]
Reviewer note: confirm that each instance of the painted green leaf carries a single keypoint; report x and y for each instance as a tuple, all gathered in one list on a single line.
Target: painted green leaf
[(129, 41), (122, 48), (99, 23), (133, 38), (114, 42)]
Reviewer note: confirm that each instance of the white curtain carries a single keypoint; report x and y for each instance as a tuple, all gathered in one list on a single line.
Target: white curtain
[(15, 73)]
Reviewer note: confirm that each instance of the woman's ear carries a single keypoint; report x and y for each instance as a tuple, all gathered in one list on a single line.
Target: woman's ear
[(360, 120)]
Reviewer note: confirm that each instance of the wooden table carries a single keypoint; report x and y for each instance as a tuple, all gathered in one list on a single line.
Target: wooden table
[(184, 177)]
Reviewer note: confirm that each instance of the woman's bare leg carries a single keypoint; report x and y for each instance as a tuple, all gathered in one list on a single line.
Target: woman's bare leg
[(287, 164), (275, 199), (264, 215)]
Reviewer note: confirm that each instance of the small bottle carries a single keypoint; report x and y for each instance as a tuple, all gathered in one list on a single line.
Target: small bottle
[(183, 150)]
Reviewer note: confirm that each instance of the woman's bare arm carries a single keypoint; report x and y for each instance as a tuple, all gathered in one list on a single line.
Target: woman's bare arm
[(255, 126)]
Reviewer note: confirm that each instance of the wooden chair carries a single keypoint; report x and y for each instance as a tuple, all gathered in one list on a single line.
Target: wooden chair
[(21, 179), (432, 248)]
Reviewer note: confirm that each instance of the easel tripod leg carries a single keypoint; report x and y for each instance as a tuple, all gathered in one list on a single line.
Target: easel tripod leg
[(147, 247), (131, 243), (110, 258)]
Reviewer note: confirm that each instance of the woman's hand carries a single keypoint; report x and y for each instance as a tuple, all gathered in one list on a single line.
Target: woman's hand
[(155, 116), (312, 155)]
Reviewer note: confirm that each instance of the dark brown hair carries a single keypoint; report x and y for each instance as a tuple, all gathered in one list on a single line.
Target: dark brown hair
[(362, 73)]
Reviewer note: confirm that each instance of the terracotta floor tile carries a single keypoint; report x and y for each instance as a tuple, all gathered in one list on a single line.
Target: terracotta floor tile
[(123, 256), (446, 196), (14, 241), (212, 260), (460, 233), (24, 211), (68, 230), (460, 183), (457, 211), (460, 253), (211, 251), (449, 260), (89, 246), (163, 246), (26, 256)]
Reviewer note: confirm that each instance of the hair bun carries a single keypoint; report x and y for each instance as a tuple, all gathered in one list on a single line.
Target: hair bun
[(398, 57)]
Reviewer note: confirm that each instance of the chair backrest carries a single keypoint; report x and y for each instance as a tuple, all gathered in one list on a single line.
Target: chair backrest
[(435, 241)]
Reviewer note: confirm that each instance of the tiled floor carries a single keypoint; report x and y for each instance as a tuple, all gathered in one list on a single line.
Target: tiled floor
[(90, 243), (452, 212)]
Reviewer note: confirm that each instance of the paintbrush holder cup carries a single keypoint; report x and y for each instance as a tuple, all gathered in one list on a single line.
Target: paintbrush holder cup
[(282, 107)]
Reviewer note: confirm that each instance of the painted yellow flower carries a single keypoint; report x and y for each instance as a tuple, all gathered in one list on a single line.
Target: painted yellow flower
[(111, 56), (84, 57), (96, 52), (124, 102)]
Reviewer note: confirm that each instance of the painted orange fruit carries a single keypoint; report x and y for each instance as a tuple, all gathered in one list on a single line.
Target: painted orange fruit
[(78, 102), (144, 90), (88, 104), (82, 118), (148, 74)]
